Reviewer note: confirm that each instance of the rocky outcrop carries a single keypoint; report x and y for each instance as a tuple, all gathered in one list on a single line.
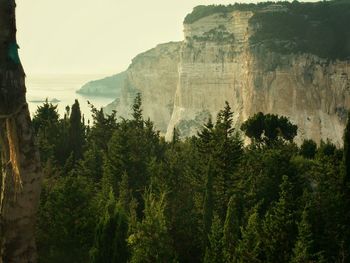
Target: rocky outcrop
[(245, 55), (154, 74), (311, 91), (109, 86)]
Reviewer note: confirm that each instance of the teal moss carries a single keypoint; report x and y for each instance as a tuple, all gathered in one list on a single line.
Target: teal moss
[(13, 53)]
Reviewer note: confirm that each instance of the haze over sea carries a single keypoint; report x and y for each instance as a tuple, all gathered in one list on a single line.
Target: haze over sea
[(62, 88)]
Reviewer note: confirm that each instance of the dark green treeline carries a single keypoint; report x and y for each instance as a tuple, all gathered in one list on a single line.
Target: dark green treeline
[(115, 191)]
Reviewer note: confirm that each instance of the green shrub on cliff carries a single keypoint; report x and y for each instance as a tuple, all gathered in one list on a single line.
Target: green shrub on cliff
[(317, 28), (203, 10)]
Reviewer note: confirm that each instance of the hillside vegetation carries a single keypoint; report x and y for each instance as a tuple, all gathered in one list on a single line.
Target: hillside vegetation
[(117, 192), (318, 28)]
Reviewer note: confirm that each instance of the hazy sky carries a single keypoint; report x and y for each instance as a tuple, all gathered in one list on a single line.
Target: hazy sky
[(96, 36)]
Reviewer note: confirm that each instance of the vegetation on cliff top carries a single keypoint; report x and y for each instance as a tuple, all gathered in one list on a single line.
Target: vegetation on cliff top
[(318, 28), (203, 10)]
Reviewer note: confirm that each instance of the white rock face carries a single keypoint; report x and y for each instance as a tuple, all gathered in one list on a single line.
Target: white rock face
[(312, 92), (184, 83), (154, 74)]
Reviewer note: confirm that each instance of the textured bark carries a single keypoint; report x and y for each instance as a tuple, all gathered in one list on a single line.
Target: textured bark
[(21, 173)]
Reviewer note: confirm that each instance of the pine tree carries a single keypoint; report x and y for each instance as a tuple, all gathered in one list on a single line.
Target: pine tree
[(67, 219), (227, 152), (205, 139), (92, 164), (302, 252), (151, 243), (232, 232), (111, 235), (103, 127), (214, 249), (137, 109), (46, 127), (132, 147), (208, 206), (249, 247), (124, 192), (279, 226)]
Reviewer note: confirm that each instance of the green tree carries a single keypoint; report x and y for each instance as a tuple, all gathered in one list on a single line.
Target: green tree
[(151, 241), (66, 220), (303, 249), (133, 145), (103, 127), (232, 231), (76, 132), (279, 226), (222, 145), (137, 109), (46, 127), (110, 244), (308, 149), (214, 250), (208, 206), (249, 249), (269, 128)]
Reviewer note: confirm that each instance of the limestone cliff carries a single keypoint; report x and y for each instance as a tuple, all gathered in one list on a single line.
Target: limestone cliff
[(154, 74), (219, 63), (109, 86), (290, 59)]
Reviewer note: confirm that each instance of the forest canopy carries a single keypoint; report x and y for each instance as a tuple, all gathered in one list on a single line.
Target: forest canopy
[(120, 193)]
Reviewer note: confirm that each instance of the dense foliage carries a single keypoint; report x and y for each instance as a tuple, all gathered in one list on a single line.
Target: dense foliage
[(319, 28), (120, 193), (207, 10)]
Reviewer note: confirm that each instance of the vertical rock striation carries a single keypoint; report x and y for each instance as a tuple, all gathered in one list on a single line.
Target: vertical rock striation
[(290, 59), (218, 63), (154, 74)]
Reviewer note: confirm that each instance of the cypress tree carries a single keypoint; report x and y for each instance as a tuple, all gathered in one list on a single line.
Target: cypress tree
[(76, 132), (151, 242), (111, 235), (124, 192), (232, 231), (249, 247), (214, 249), (176, 136), (302, 251), (208, 206), (279, 227)]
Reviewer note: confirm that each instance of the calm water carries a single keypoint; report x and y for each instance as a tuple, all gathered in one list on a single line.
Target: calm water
[(62, 88)]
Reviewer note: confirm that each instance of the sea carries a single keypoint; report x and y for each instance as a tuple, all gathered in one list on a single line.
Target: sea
[(61, 91)]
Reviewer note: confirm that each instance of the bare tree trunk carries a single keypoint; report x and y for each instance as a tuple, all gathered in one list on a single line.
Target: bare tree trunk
[(20, 178)]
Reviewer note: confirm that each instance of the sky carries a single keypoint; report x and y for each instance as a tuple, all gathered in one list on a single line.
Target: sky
[(96, 36)]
